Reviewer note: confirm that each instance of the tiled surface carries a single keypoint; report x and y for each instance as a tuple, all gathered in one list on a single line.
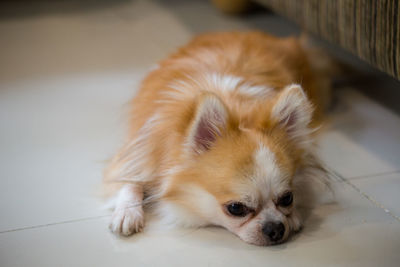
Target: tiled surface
[(363, 137), (55, 137), (67, 71), (384, 189), (356, 233)]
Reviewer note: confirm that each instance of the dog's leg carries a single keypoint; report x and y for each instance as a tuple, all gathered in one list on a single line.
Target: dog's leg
[(128, 216)]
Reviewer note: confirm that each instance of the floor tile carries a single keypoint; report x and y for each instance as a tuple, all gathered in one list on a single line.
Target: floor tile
[(351, 231), (91, 39), (363, 138), (56, 136), (384, 189)]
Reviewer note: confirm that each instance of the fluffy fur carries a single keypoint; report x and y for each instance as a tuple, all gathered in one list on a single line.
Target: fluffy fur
[(226, 119)]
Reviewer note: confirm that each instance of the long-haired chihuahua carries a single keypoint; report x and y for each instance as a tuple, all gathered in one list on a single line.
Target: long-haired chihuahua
[(221, 133)]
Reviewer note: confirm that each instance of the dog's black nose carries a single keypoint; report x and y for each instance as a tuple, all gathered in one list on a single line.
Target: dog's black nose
[(274, 230)]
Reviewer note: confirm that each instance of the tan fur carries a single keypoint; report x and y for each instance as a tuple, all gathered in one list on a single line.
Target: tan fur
[(168, 166)]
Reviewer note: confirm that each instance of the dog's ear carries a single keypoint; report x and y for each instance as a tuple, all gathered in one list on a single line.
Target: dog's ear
[(209, 123), (293, 111)]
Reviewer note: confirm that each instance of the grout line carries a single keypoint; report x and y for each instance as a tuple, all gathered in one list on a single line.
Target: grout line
[(375, 202), (148, 200), (335, 175), (55, 223), (372, 175)]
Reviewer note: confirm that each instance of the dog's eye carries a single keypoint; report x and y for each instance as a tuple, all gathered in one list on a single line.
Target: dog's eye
[(237, 209), (286, 199)]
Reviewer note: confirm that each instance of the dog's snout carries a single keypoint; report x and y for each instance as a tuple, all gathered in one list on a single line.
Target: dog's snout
[(274, 230)]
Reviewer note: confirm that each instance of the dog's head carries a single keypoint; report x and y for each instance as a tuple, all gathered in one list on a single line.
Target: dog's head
[(247, 174)]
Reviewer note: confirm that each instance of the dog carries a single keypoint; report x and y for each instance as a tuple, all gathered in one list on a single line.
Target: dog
[(222, 133)]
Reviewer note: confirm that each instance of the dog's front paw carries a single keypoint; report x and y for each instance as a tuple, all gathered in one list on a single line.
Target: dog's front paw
[(127, 221)]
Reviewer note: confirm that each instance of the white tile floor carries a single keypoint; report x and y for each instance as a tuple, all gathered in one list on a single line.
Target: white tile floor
[(67, 71)]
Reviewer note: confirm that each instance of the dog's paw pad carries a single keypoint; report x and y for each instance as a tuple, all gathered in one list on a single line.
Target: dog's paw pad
[(127, 221)]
